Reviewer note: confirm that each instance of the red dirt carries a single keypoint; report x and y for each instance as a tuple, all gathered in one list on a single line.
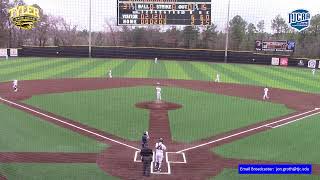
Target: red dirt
[(117, 160)]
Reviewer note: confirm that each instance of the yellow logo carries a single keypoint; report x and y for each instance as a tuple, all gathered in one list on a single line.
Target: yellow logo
[(24, 16)]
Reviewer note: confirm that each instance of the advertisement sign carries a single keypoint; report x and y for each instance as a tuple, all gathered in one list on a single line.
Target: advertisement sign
[(3, 52), (258, 45), (13, 52), (281, 46), (284, 61), (299, 19), (319, 65), (300, 63), (312, 63), (275, 61)]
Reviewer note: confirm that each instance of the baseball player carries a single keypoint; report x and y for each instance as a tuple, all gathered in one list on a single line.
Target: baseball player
[(155, 60), (144, 139), (110, 73), (160, 148), (217, 78), (265, 95), (15, 85), (313, 71), (158, 90)]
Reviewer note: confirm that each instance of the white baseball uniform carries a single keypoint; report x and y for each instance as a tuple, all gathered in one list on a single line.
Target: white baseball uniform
[(160, 148), (110, 74), (15, 85), (156, 60), (158, 90), (313, 71), (217, 78), (265, 95)]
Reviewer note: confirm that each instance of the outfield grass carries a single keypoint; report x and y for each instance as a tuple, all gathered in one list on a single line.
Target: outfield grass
[(296, 142), (299, 79), (232, 174), (44, 171), (21, 132), (203, 114)]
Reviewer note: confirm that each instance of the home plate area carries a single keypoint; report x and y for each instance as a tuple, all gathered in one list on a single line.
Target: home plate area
[(169, 158)]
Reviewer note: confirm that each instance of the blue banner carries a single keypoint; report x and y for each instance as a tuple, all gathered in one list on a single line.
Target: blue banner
[(275, 169)]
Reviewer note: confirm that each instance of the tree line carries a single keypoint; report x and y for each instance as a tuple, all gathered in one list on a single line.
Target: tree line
[(56, 31)]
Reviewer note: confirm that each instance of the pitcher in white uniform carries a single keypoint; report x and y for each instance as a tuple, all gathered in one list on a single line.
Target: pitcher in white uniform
[(158, 92)]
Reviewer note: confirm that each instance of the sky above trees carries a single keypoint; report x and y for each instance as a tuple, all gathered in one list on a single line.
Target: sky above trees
[(252, 11)]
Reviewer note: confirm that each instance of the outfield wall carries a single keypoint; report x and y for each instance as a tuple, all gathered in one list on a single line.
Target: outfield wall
[(162, 53)]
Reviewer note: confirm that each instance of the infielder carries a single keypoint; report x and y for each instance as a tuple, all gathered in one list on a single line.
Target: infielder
[(217, 78), (110, 73), (265, 95), (313, 71), (155, 60), (160, 148), (158, 90), (15, 85)]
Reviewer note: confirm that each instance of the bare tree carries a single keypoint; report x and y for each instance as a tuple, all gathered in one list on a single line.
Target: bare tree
[(111, 27)]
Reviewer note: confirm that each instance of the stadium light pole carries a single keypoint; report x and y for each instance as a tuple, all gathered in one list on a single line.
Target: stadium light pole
[(89, 28), (227, 35)]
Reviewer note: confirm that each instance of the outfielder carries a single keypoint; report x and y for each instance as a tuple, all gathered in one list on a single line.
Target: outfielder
[(110, 73), (313, 71), (265, 95), (158, 90), (217, 78), (155, 60), (160, 148), (15, 85)]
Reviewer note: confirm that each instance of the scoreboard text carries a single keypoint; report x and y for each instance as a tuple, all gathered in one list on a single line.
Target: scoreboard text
[(164, 12)]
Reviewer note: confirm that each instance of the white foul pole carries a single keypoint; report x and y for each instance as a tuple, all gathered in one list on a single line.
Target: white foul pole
[(227, 35), (89, 28)]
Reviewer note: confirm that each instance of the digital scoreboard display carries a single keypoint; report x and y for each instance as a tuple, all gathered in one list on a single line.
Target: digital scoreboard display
[(164, 12)]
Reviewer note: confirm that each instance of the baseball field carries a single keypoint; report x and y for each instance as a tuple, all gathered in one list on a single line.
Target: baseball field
[(68, 120)]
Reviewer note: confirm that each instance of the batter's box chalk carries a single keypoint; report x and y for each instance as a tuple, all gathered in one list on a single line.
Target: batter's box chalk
[(137, 157), (174, 157)]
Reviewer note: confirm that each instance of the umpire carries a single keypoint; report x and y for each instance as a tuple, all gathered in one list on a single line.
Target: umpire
[(146, 158)]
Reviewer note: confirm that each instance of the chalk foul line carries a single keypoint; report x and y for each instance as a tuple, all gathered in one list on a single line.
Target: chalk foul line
[(259, 127), (69, 124)]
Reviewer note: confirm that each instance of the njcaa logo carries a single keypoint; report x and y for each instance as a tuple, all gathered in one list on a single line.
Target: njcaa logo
[(299, 19), (24, 17)]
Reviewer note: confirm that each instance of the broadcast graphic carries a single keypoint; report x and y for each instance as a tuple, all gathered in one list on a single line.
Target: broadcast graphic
[(164, 12), (24, 17)]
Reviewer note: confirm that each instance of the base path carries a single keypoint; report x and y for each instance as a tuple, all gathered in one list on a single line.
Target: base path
[(193, 161)]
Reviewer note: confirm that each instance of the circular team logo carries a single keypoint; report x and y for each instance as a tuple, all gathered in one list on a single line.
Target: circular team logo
[(299, 19), (24, 17), (312, 63)]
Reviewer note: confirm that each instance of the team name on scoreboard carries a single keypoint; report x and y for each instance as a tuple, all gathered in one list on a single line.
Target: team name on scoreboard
[(164, 12)]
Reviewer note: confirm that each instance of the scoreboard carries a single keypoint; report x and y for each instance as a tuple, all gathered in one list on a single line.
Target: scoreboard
[(164, 12)]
